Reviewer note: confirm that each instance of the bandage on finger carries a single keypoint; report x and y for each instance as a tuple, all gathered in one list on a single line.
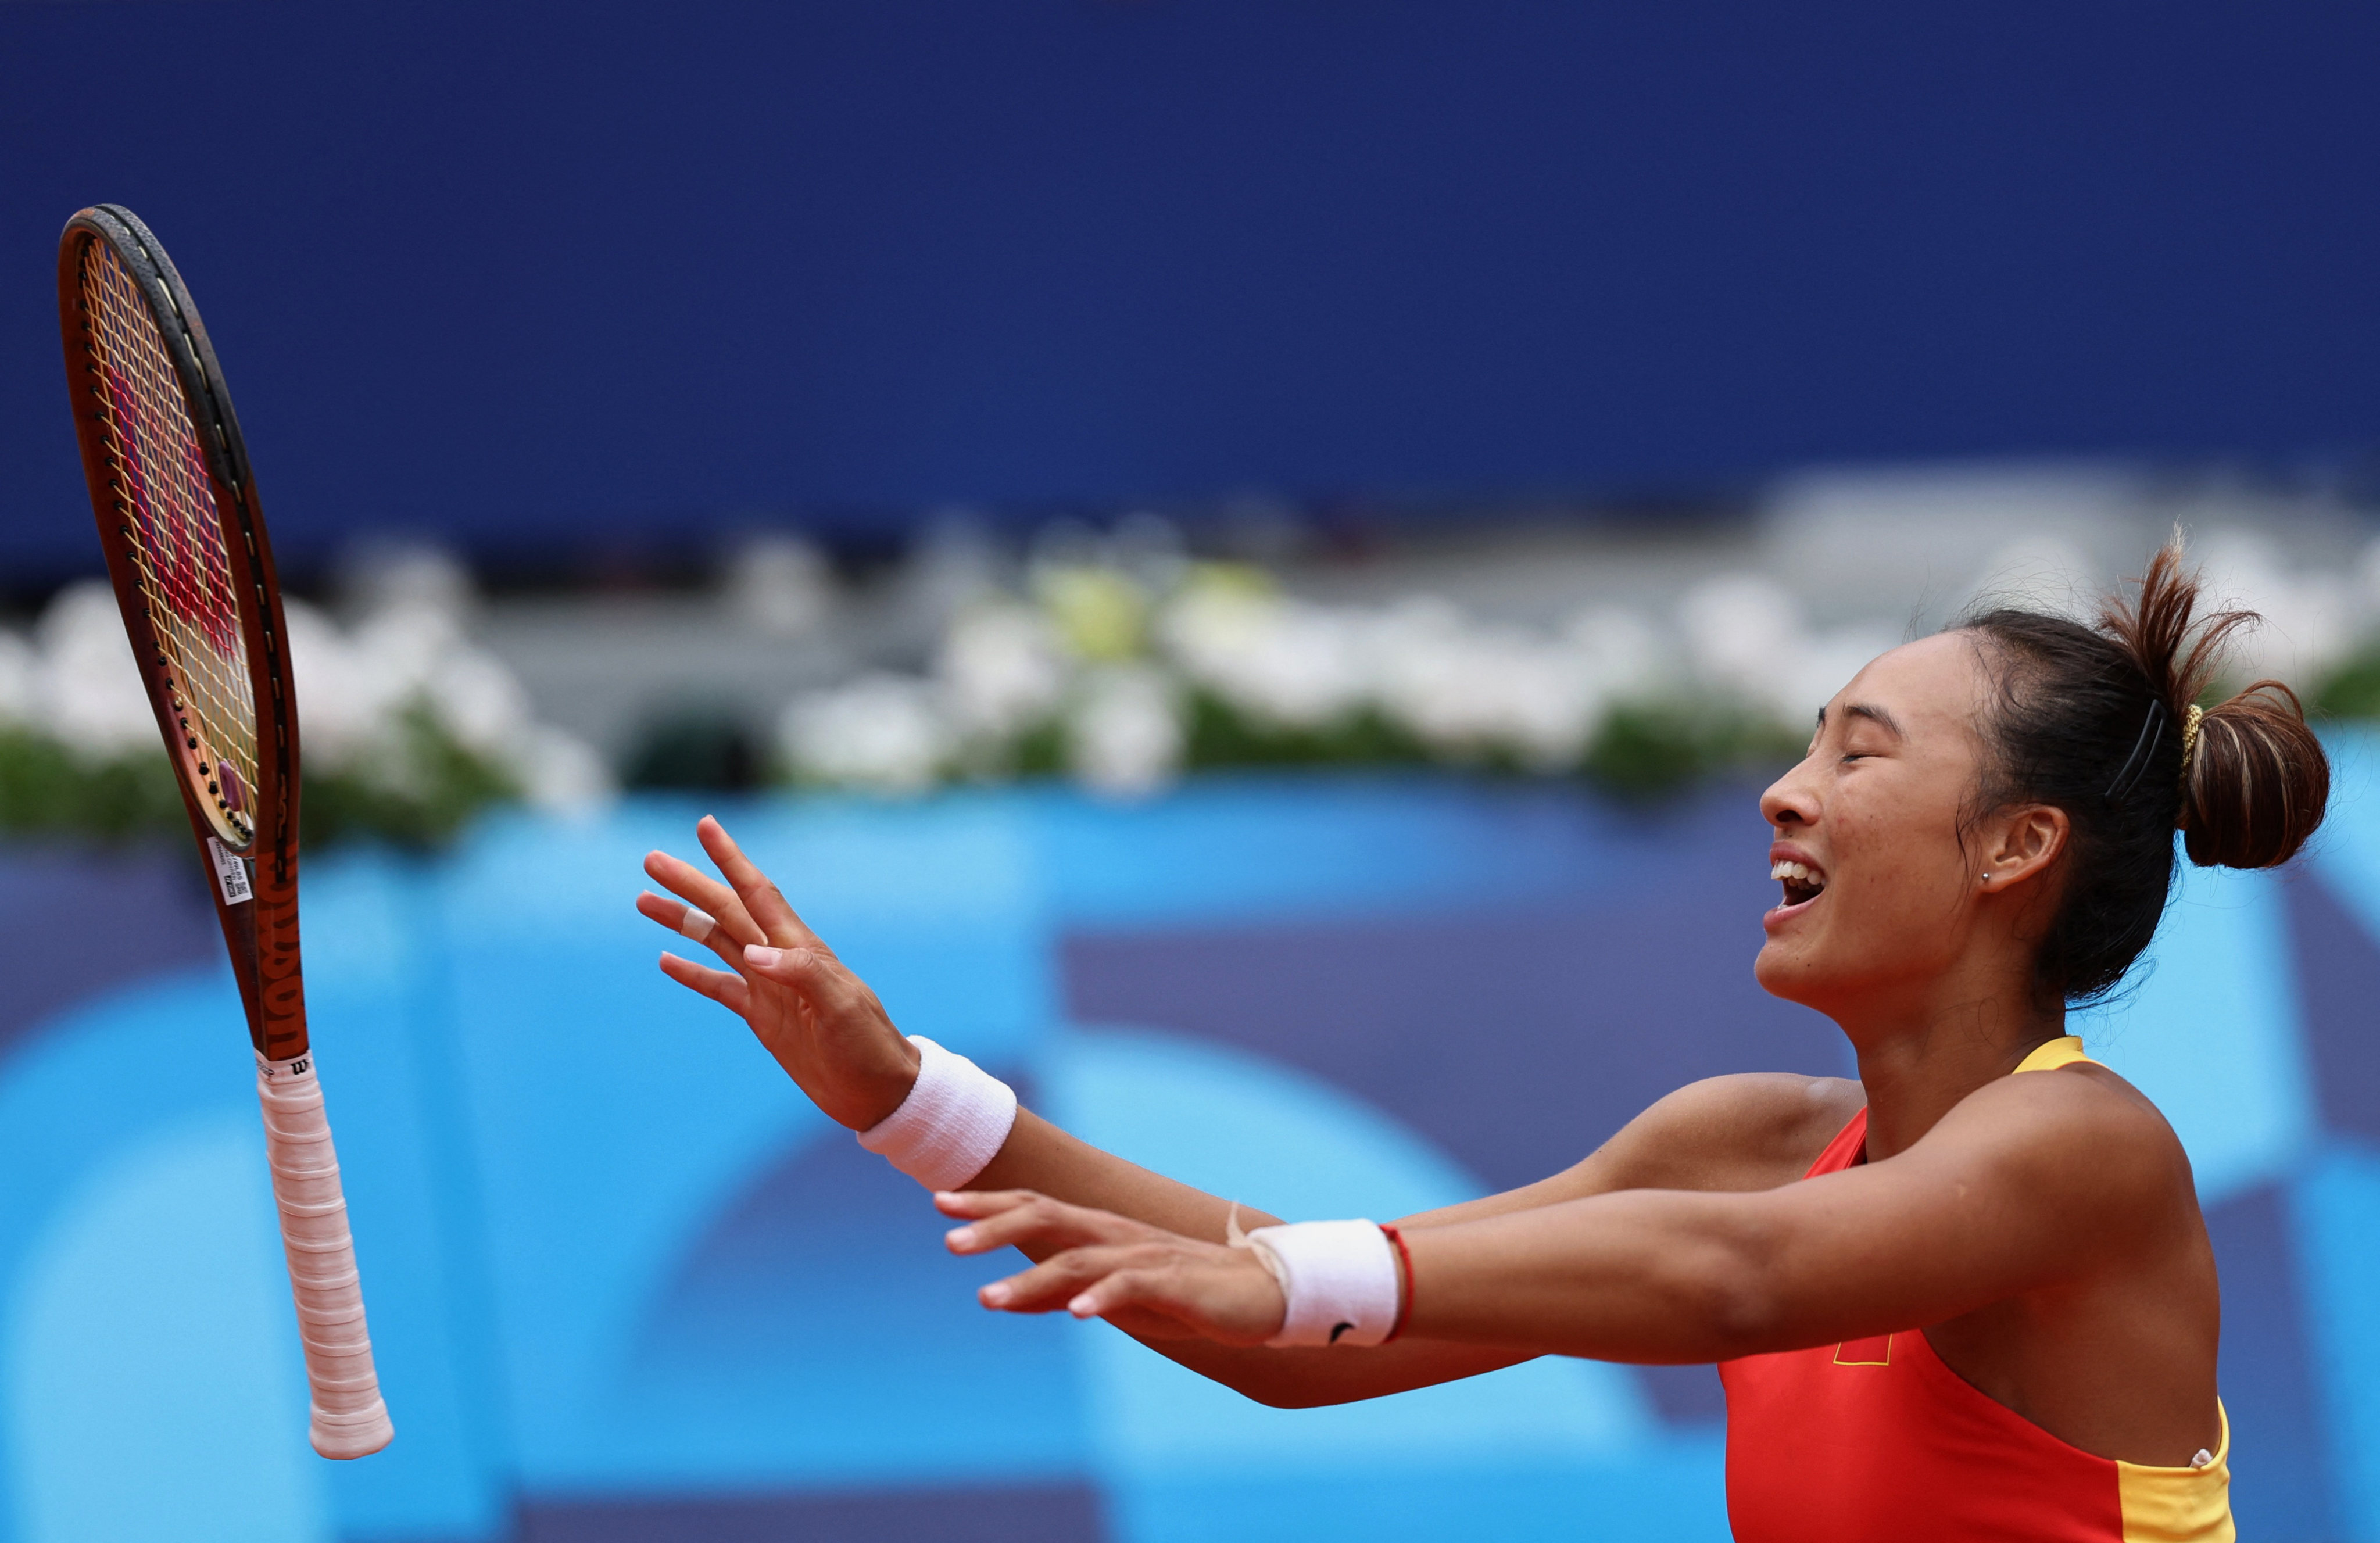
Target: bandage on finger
[(697, 924)]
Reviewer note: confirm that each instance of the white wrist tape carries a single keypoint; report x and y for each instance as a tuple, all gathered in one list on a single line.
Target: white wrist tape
[(952, 1124), (1341, 1279)]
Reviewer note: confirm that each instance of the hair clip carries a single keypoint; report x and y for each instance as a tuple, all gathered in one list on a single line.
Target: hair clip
[(2143, 751)]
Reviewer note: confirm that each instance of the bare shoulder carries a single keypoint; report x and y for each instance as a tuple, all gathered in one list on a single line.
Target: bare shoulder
[(2082, 1124), (1754, 1130)]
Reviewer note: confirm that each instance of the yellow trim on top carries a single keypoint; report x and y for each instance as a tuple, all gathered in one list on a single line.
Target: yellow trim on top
[(2049, 1056), (2179, 1505), (2161, 1505)]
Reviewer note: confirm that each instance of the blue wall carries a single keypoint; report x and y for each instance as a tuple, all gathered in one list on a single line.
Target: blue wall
[(627, 1284), (585, 278)]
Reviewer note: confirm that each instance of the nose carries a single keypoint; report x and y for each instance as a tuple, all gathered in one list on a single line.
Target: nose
[(1791, 799)]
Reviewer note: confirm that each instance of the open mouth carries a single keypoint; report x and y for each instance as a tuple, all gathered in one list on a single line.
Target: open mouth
[(1802, 884)]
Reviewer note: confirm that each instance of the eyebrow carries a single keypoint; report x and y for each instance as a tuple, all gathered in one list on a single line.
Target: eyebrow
[(1873, 713)]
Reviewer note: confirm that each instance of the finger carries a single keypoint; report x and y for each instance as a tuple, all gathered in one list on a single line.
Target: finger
[(967, 1203), (690, 921), (764, 900), (1057, 1282), (1048, 1222), (1121, 1289), (1164, 1292), (723, 986), (698, 889)]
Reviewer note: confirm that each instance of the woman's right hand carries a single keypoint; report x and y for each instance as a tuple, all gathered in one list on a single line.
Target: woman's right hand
[(823, 1025)]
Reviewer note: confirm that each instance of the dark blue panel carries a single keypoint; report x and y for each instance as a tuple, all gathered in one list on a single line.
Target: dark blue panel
[(1517, 1042), (1047, 1514), (754, 1357), (551, 275), (2338, 993), (2280, 1482), (75, 922), (1684, 1396)]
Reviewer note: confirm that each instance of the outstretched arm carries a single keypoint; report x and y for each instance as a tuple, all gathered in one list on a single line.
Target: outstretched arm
[(832, 1034), (2030, 1183)]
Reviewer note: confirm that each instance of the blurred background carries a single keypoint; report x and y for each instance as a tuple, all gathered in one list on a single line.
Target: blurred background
[(1245, 563)]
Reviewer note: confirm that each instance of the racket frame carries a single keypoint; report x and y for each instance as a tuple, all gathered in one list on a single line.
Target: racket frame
[(261, 932)]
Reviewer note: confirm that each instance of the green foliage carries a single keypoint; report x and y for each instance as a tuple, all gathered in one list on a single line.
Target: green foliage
[(2352, 690), (419, 794), (1040, 751), (703, 749), (1221, 734), (46, 789), (1651, 750)]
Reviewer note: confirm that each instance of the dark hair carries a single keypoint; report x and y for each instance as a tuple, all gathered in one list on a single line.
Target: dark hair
[(2092, 720)]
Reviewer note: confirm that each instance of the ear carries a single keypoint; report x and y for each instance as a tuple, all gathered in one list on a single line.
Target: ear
[(2024, 842)]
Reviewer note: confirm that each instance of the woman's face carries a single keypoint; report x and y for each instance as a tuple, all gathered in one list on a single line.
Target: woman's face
[(1878, 896)]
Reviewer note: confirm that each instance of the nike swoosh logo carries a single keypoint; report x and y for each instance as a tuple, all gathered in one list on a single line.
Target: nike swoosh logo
[(1340, 1330)]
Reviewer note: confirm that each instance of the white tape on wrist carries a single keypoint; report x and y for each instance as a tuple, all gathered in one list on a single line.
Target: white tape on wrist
[(1340, 1276), (954, 1122)]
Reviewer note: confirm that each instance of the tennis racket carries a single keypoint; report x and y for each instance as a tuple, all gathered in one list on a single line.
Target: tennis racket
[(193, 572)]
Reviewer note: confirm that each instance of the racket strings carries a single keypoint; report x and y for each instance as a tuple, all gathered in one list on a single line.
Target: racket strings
[(172, 531)]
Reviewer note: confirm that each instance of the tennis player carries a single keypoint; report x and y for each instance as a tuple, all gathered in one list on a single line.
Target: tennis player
[(1969, 1295)]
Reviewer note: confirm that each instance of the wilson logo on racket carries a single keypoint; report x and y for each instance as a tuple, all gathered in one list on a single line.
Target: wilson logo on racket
[(191, 589)]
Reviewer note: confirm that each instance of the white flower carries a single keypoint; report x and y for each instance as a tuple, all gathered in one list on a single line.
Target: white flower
[(478, 701), (1003, 669), (1125, 730), (1297, 665), (881, 732), (560, 773), (1746, 636), (340, 705), (1467, 690), (90, 693), (1743, 633), (1620, 645)]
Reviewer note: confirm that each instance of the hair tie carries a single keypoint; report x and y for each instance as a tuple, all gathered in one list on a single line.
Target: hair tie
[(2190, 722)]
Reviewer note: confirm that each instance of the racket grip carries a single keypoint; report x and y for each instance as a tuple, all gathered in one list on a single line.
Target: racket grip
[(350, 1419)]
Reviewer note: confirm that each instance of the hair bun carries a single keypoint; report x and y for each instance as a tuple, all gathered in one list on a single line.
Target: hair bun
[(2256, 782)]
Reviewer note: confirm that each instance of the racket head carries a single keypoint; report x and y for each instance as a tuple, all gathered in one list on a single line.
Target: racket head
[(175, 504)]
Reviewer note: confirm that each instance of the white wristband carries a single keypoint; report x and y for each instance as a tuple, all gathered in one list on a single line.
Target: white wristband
[(952, 1124), (1341, 1279)]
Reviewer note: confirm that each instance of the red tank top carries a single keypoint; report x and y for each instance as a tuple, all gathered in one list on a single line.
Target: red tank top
[(1876, 1441)]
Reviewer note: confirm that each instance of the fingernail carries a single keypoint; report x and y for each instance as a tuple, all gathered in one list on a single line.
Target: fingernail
[(995, 1293), (761, 956), (1080, 1307), (960, 1237)]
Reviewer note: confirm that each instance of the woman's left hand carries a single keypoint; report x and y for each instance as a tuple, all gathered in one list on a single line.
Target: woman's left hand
[(1102, 1265)]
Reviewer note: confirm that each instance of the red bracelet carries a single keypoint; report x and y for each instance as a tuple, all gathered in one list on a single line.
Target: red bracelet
[(1405, 1277)]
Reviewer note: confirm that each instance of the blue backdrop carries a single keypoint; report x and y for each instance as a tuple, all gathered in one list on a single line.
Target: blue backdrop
[(567, 279), (628, 1287)]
